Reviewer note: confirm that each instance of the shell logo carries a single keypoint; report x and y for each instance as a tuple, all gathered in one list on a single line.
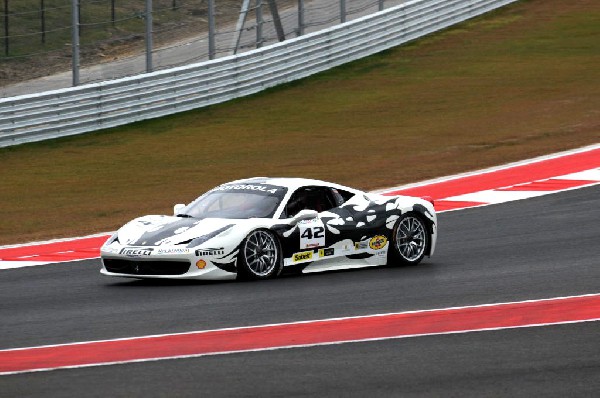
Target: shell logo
[(378, 242)]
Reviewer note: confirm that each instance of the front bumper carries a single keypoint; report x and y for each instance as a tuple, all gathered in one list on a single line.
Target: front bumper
[(159, 262)]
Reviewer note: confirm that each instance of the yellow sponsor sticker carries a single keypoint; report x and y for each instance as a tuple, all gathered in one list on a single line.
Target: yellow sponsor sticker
[(378, 242), (303, 256)]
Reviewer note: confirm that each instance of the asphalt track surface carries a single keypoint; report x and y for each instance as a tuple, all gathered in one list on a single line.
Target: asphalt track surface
[(532, 249)]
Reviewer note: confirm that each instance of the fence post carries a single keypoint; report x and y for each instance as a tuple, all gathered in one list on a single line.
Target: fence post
[(6, 41), (381, 5), (80, 28), (75, 40), (276, 20), (211, 29), (259, 24), (300, 17), (240, 25), (43, 20), (112, 11), (342, 11), (148, 36)]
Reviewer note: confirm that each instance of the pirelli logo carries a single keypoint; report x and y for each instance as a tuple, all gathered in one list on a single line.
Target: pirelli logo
[(303, 256), (136, 251), (210, 252)]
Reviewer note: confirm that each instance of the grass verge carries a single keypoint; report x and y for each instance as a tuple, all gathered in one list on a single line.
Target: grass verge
[(517, 83)]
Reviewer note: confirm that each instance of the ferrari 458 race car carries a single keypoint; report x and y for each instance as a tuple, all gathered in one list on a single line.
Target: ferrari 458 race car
[(260, 227)]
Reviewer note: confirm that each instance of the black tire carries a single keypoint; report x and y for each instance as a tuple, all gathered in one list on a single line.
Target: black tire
[(260, 256), (411, 240)]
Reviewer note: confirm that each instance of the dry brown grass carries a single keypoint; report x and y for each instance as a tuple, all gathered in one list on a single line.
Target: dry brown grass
[(519, 83)]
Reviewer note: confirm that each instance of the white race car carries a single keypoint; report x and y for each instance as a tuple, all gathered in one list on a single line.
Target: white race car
[(260, 227)]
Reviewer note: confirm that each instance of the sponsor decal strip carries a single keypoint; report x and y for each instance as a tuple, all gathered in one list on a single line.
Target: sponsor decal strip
[(303, 334), (535, 177)]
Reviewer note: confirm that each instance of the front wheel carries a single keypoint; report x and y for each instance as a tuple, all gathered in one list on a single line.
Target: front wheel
[(260, 256), (410, 241)]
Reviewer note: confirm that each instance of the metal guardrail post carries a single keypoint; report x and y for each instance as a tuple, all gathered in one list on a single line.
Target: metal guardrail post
[(300, 17), (342, 11), (148, 36), (381, 5), (211, 29), (75, 40)]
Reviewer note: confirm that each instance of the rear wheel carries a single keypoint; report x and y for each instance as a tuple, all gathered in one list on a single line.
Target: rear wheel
[(260, 256), (411, 239)]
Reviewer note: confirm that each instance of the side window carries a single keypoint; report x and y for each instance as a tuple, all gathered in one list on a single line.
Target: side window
[(311, 198), (342, 196)]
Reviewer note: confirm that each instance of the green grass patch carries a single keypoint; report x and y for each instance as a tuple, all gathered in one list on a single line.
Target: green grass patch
[(520, 82)]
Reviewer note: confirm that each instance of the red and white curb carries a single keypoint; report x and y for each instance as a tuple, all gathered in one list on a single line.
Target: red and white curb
[(532, 313), (55, 251), (535, 177), (522, 191)]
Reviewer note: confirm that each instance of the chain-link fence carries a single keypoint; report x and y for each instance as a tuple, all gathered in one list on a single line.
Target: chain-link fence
[(95, 40)]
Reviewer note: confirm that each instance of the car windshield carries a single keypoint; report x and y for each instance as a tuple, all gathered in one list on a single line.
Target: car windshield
[(237, 201)]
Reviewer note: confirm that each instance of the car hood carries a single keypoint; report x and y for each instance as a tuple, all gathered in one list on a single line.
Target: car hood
[(169, 230)]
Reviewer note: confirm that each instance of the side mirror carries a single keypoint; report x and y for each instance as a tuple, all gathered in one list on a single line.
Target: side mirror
[(305, 215), (177, 208)]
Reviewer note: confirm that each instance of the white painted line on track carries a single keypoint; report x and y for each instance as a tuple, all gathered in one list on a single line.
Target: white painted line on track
[(21, 264), (588, 175)]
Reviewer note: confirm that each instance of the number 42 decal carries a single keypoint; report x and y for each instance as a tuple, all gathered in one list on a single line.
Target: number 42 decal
[(313, 233)]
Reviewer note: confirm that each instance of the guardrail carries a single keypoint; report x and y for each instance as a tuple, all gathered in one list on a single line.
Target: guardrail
[(96, 106)]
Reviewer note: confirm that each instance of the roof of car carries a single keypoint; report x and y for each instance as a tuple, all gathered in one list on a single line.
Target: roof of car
[(289, 182)]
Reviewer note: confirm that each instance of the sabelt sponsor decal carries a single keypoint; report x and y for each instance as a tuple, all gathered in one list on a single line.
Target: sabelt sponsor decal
[(378, 242), (303, 256), (136, 251), (326, 252)]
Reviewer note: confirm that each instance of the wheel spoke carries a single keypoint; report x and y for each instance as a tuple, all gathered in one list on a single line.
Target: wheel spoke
[(261, 253), (410, 238)]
